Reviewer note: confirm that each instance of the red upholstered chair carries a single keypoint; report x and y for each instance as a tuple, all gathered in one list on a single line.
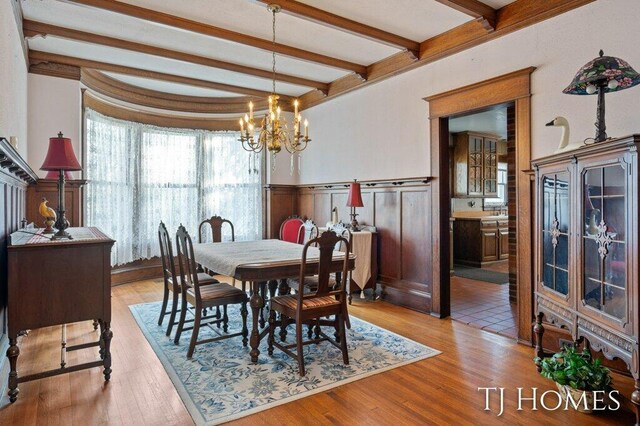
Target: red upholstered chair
[(290, 230)]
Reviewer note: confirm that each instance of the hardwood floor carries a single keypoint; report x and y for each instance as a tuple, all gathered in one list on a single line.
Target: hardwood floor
[(439, 390)]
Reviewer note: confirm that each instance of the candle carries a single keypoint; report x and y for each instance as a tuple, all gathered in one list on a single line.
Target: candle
[(251, 110), (278, 113), (246, 118), (295, 108), (241, 126), (306, 128)]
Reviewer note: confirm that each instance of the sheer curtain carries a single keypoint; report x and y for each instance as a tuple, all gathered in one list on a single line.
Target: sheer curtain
[(140, 174)]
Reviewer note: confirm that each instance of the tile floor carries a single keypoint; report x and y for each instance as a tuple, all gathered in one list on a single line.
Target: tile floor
[(484, 305)]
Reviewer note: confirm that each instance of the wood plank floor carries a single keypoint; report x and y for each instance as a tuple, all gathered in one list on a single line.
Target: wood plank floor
[(440, 390)]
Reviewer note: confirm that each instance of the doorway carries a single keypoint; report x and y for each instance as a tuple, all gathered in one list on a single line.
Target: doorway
[(482, 293), (512, 89)]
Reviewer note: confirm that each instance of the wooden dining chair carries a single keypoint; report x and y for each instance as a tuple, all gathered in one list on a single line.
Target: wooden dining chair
[(202, 297), (308, 231), (312, 308), (290, 229), (215, 225), (172, 282)]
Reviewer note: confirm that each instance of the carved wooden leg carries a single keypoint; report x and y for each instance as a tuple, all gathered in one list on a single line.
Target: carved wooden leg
[(538, 329), (225, 319), (343, 339), (272, 328), (95, 325), (218, 315), (317, 329), (245, 329), (263, 296), (284, 321), (172, 317), (165, 300), (256, 303), (101, 340), (12, 354), (107, 334), (635, 399), (283, 288)]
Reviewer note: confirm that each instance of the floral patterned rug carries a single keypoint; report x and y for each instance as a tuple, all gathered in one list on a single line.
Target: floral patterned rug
[(220, 383)]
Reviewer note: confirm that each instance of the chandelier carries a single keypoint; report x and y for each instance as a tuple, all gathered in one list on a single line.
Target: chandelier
[(274, 132)]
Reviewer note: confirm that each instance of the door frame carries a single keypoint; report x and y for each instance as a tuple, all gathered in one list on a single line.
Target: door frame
[(513, 87)]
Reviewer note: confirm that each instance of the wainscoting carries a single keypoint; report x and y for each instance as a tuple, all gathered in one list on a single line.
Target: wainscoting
[(15, 175), (400, 209)]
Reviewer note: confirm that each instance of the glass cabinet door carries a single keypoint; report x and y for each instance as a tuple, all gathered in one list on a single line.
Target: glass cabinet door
[(490, 167), (604, 239), (555, 232), (475, 165)]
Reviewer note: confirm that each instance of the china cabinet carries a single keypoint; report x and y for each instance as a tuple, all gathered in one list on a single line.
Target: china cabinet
[(587, 249)]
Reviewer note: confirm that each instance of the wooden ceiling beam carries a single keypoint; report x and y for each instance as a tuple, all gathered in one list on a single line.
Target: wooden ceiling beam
[(33, 28), (510, 18), (38, 61), (329, 19), (221, 33), (484, 14)]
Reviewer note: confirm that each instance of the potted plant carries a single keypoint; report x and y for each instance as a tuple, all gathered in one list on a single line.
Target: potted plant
[(576, 373)]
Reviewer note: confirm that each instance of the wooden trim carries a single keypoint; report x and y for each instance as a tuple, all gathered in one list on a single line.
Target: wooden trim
[(14, 164), (510, 18), (101, 83), (16, 7), (331, 20), (220, 33), (33, 28), (513, 87), (53, 69), (145, 269), (162, 120), (484, 14), (39, 59)]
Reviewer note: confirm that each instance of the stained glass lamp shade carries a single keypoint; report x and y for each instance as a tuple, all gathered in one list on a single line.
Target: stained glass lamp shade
[(602, 75)]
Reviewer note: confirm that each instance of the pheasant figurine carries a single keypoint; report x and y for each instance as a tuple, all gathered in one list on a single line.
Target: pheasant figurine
[(49, 215)]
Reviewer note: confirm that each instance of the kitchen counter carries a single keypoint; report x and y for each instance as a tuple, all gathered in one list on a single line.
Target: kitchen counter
[(480, 239)]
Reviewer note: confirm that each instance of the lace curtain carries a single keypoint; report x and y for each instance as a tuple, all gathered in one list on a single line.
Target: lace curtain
[(140, 174)]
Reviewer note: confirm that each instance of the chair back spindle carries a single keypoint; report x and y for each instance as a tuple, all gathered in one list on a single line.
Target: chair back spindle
[(166, 255)]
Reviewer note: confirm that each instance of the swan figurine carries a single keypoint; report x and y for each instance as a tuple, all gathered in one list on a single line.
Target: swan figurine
[(564, 139)]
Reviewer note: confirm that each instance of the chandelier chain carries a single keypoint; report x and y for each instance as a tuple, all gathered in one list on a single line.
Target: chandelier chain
[(273, 51)]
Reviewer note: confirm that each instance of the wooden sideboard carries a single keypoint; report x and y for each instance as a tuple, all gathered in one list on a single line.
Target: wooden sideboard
[(48, 188), (586, 252), (478, 241), (56, 283)]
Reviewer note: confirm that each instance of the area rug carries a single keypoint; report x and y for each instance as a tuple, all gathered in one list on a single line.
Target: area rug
[(480, 274), (220, 383)]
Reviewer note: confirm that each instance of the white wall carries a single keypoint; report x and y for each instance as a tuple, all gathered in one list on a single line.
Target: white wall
[(382, 131), (13, 80), (55, 105)]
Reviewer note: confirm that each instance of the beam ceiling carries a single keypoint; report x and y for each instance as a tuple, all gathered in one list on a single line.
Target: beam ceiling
[(32, 29), (329, 19), (221, 33), (483, 13)]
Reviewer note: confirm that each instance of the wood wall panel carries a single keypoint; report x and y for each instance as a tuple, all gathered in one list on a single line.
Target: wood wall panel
[(401, 211), (416, 236), (387, 208), (48, 189), (281, 202)]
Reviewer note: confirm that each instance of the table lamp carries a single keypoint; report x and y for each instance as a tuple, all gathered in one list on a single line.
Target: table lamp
[(354, 200), (61, 158), (602, 75)]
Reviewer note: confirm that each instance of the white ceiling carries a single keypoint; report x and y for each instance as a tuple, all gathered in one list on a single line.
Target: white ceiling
[(413, 19), (492, 121)]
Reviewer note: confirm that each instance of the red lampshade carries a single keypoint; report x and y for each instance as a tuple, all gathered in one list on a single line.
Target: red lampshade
[(54, 175), (60, 155), (355, 197)]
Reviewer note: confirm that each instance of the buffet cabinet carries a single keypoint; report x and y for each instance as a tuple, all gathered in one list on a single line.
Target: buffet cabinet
[(586, 252)]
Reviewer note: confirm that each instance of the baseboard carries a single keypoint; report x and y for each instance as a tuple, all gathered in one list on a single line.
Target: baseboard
[(4, 365), (407, 297)]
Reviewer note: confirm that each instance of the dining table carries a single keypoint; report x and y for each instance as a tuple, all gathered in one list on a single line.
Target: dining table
[(258, 262)]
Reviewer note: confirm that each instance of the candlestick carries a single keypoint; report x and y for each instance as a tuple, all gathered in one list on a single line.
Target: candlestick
[(306, 128)]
